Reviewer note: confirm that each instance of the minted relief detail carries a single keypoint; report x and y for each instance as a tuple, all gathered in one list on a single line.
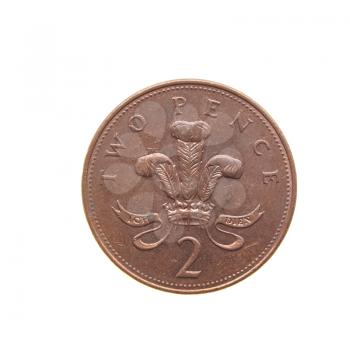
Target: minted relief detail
[(259, 145), (184, 272), (115, 146), (189, 184), (212, 108), (270, 176), (137, 122), (179, 102), (109, 177), (242, 123)]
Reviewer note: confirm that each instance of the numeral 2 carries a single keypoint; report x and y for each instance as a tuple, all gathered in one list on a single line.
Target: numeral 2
[(184, 272)]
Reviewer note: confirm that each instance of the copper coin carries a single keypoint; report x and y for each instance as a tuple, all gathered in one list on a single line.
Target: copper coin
[(189, 186)]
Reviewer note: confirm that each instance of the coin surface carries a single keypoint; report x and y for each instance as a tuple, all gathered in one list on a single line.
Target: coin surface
[(189, 186)]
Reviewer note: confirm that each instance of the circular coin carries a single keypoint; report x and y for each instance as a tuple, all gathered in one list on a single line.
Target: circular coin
[(189, 186)]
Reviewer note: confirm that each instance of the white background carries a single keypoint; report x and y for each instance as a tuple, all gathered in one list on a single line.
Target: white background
[(64, 66)]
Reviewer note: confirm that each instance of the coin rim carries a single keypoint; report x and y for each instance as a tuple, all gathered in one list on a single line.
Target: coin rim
[(293, 184)]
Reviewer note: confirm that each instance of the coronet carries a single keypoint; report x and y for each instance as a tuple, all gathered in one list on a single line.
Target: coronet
[(189, 213)]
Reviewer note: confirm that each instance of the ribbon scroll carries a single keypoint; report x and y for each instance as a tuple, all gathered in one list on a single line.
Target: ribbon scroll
[(140, 220), (236, 222)]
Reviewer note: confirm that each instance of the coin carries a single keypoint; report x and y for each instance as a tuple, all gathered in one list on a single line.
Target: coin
[(189, 186)]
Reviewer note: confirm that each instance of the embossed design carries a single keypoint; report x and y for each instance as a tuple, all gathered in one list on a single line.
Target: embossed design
[(212, 108), (115, 147), (261, 142), (242, 123), (179, 102), (270, 176), (162, 166), (157, 275), (190, 145), (137, 122), (189, 185), (139, 220), (184, 272)]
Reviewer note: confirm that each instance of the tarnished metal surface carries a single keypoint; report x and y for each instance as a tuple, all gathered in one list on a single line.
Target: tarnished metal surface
[(189, 186)]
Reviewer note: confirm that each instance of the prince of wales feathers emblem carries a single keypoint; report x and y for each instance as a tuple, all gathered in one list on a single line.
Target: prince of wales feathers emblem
[(189, 186)]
